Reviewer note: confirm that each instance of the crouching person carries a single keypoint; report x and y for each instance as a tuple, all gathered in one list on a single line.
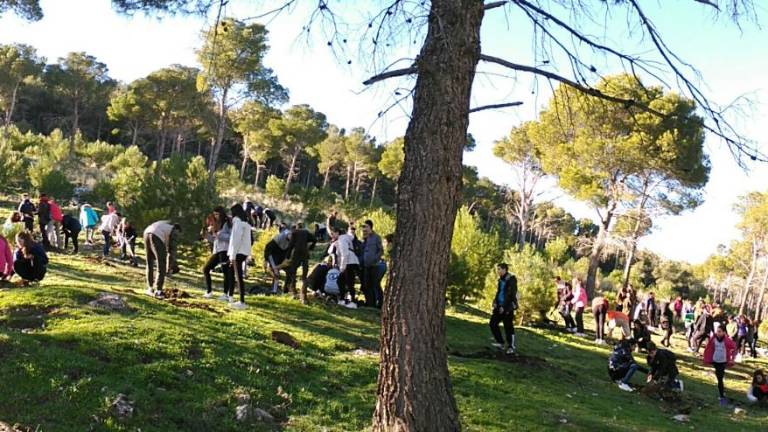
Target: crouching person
[(758, 391), (160, 242), (622, 366), (30, 262), (663, 364), (504, 305)]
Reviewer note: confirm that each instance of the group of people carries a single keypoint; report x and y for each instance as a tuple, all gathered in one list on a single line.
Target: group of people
[(347, 259), (726, 337)]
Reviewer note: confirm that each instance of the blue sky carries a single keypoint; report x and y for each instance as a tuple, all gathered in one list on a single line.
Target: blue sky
[(733, 62)]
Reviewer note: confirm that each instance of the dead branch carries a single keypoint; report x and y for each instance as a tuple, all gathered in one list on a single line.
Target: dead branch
[(495, 106)]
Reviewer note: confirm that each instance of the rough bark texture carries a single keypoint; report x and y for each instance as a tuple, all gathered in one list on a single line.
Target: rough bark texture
[(597, 249), (414, 388), (221, 130), (750, 278)]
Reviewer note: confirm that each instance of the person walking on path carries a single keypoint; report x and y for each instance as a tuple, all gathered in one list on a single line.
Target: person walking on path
[(600, 311), (373, 250), (220, 229), (88, 220), (160, 241), (720, 352), (579, 302), (239, 250), (27, 210), (71, 228), (504, 306), (702, 329)]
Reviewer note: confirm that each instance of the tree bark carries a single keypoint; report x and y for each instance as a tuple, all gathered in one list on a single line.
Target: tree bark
[(761, 296), (135, 135), (258, 174), (220, 131), (346, 188), (9, 110), (414, 387), (750, 277), (289, 177), (373, 191), (597, 249), (245, 160), (325, 177)]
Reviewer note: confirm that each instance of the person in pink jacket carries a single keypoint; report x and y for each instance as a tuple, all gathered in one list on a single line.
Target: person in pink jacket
[(579, 302), (720, 353), (6, 259)]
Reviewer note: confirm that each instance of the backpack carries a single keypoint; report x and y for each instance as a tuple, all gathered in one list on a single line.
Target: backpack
[(331, 282), (56, 212)]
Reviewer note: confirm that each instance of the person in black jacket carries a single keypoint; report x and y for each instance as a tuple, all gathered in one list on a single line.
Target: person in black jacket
[(663, 365), (27, 210), (667, 322), (504, 305), (71, 228), (43, 219), (30, 260), (703, 327), (641, 335), (302, 241), (621, 364)]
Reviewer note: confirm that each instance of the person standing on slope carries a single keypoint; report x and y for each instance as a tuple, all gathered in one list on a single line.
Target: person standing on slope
[(504, 306), (720, 352), (239, 250), (579, 302)]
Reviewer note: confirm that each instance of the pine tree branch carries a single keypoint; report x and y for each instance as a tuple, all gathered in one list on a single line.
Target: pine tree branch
[(390, 74), (495, 106)]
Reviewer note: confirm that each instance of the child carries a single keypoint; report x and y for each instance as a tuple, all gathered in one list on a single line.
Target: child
[(641, 334), (127, 235), (689, 315), (618, 319), (621, 364), (71, 229), (663, 367), (720, 353), (31, 261), (758, 391), (88, 220)]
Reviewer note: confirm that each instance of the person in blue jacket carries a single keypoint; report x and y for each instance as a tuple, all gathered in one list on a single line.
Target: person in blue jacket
[(504, 306), (88, 221)]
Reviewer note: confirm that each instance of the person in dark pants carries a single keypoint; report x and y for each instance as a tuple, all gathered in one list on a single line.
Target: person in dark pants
[(641, 335), (160, 242), (269, 218), (504, 306), (127, 235), (663, 364), (702, 328), (622, 366), (373, 250), (667, 322), (600, 311), (108, 228), (720, 352), (220, 230), (30, 261), (71, 228), (344, 258), (275, 253), (239, 250), (302, 241), (27, 210), (44, 218)]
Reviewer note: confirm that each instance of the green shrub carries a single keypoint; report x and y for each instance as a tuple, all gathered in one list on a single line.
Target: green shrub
[(383, 222), (11, 166), (536, 293), (228, 178), (473, 253), (52, 182), (275, 187)]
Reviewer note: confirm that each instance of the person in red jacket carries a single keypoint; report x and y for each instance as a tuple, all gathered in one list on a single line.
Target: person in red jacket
[(720, 353)]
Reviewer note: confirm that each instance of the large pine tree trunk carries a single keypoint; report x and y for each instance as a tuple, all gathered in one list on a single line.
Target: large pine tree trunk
[(346, 188), (220, 132), (414, 388), (597, 249), (750, 278), (135, 135), (761, 296), (373, 191)]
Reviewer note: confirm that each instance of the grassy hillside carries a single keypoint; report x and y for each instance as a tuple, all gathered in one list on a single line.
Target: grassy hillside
[(186, 363)]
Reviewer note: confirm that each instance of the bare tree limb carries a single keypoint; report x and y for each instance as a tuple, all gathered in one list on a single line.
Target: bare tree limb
[(494, 5), (391, 74), (708, 3), (495, 106)]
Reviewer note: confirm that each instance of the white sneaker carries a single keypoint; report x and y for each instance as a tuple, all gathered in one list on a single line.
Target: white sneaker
[(238, 305), (497, 345), (579, 334), (225, 298), (625, 387), (510, 350), (208, 295), (680, 385), (150, 292)]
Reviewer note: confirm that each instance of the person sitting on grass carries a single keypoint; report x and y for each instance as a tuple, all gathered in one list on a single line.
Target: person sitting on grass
[(720, 352), (622, 366), (31, 261), (504, 305), (663, 364), (758, 391), (641, 334), (6, 259)]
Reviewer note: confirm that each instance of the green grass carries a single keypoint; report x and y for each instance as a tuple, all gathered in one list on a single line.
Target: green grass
[(184, 365)]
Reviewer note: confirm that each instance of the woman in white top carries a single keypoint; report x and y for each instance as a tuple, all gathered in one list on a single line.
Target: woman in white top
[(239, 251), (343, 253)]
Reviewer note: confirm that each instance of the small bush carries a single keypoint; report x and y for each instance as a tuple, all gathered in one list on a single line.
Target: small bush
[(383, 222), (473, 253), (275, 187), (534, 282)]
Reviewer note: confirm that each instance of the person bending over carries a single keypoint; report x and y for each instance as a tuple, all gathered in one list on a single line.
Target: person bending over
[(160, 242), (663, 364)]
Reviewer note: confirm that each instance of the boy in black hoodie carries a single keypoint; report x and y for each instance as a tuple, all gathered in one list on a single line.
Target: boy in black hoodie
[(663, 365)]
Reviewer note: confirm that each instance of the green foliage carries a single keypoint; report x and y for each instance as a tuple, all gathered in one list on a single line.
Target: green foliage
[(11, 165), (227, 179), (383, 222), (473, 253), (19, 64), (557, 251), (534, 282), (102, 192), (275, 187), (100, 153), (392, 159), (49, 180)]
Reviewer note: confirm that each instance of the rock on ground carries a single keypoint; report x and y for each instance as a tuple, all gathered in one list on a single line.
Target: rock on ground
[(285, 339), (110, 302), (122, 407)]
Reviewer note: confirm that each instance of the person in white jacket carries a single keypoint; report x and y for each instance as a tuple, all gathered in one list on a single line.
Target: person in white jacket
[(239, 251), (343, 254)]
